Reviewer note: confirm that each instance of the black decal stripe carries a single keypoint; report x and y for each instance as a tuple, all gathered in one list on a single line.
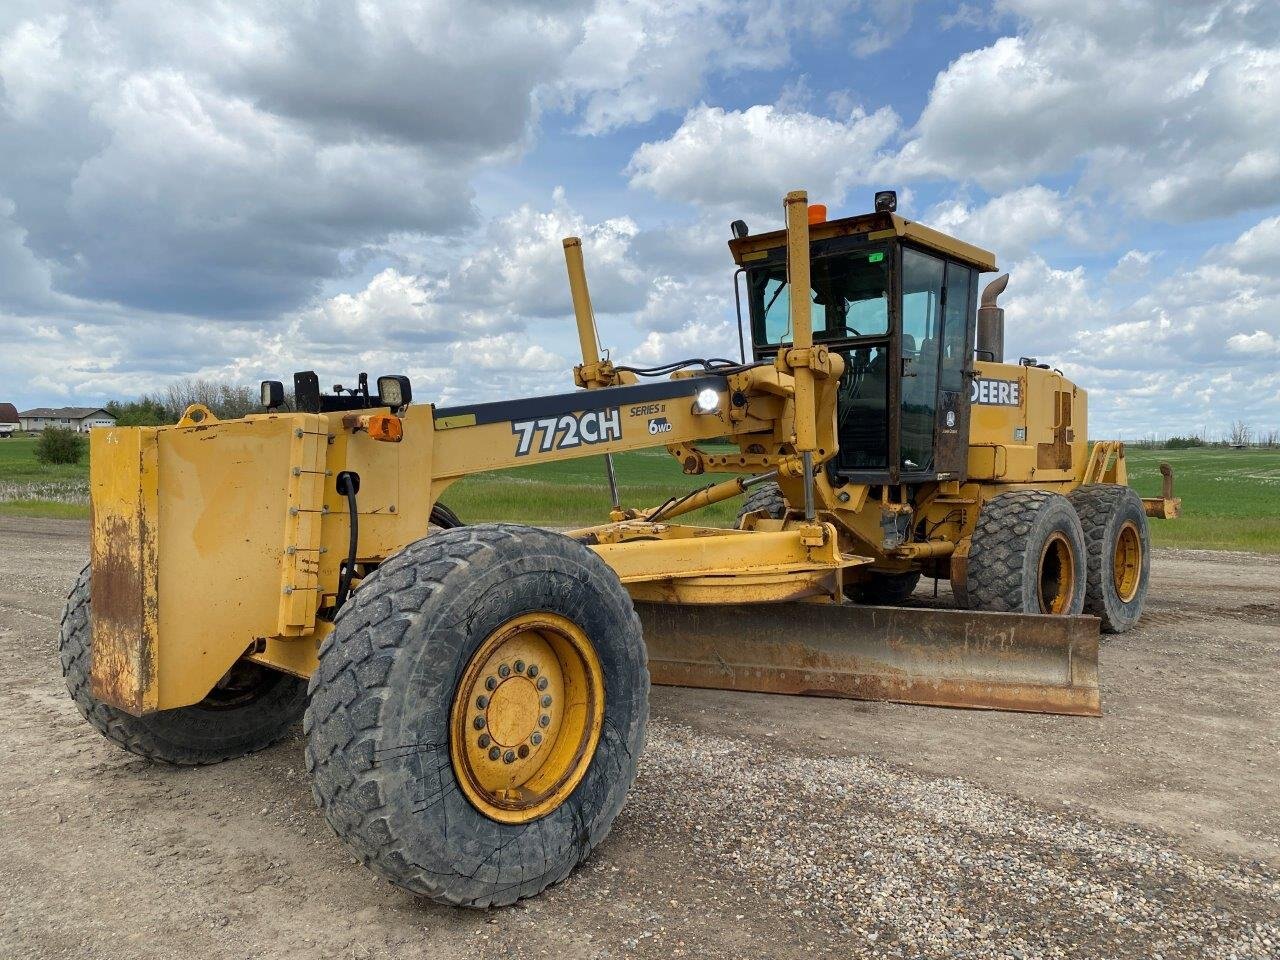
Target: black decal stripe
[(581, 401)]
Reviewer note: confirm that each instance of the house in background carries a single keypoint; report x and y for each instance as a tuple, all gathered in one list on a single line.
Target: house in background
[(8, 420), (80, 419)]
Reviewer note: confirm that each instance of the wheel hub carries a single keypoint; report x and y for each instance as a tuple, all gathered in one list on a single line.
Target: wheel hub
[(1056, 582), (526, 717), (1126, 565)]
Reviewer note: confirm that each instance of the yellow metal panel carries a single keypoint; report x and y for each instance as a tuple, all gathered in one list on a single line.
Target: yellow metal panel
[(123, 545), (673, 563), (983, 260), (875, 225), (461, 420), (300, 545), (493, 446), (988, 461), (224, 526)]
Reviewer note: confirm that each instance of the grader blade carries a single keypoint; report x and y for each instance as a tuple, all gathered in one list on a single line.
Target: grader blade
[(946, 658)]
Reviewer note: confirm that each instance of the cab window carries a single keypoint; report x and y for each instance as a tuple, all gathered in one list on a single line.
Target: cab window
[(849, 297)]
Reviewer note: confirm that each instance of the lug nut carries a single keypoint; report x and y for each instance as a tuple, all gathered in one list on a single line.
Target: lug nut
[(523, 751), (494, 753), (490, 683), (509, 757), (536, 738), (542, 683), (533, 669), (504, 671), (519, 666), (484, 740), (478, 723), (546, 701), (544, 721), (482, 701)]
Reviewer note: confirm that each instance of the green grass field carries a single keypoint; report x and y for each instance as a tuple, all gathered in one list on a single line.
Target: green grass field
[(29, 488), (1231, 498)]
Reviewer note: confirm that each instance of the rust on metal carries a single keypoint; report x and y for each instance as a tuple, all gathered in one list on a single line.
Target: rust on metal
[(121, 668), (123, 551), (948, 658), (1166, 506)]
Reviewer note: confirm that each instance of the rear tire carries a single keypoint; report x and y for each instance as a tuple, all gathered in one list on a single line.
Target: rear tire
[(252, 708), (1027, 555), (1118, 553), (390, 725), (766, 498)]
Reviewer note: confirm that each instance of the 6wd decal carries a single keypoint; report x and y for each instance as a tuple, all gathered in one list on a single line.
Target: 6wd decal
[(569, 430), (1000, 393), (659, 425)]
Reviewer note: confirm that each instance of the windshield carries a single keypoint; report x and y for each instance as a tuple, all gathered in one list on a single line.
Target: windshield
[(850, 297)]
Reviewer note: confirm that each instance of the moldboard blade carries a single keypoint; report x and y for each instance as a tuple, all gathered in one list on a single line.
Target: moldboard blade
[(945, 658)]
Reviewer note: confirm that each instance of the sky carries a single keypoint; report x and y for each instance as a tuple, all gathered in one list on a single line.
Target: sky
[(241, 189)]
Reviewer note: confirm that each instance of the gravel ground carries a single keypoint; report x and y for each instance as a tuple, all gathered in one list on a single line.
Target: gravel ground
[(761, 826)]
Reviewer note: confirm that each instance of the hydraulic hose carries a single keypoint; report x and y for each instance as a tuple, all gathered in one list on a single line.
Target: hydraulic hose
[(348, 485)]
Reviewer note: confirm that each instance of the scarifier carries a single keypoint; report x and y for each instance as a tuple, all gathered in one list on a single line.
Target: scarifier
[(475, 697)]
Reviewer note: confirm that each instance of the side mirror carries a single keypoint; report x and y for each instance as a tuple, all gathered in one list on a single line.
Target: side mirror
[(272, 394), (394, 391)]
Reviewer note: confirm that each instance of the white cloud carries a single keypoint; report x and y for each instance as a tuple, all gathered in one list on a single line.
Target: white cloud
[(237, 190), (638, 59), (1186, 92), (1132, 267), (705, 339), (1196, 348), (1013, 224), (519, 263), (641, 58), (509, 351), (1046, 307), (883, 25), (226, 160), (1257, 250), (747, 160), (1259, 342)]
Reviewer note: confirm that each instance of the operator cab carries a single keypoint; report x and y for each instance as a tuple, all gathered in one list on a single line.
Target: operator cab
[(897, 300)]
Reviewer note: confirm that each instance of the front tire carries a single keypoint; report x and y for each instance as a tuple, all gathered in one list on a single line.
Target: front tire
[(442, 518), (767, 499), (888, 589), (428, 754), (1118, 553), (251, 708), (1027, 555)]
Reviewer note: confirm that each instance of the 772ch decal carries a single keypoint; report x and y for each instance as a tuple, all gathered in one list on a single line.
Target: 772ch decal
[(569, 430)]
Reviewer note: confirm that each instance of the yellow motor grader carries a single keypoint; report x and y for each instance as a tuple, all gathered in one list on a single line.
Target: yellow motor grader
[(475, 697)]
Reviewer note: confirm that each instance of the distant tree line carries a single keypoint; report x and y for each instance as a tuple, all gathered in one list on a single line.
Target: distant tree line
[(1238, 434), (164, 407), (64, 445)]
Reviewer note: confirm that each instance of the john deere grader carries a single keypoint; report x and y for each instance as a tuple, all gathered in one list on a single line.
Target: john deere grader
[(474, 698)]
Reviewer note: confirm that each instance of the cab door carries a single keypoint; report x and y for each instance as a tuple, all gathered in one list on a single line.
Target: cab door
[(951, 440), (936, 328)]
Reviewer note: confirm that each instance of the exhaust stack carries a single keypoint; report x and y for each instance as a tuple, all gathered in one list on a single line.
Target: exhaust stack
[(991, 321)]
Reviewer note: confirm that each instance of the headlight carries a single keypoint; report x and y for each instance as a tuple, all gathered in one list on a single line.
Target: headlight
[(272, 394), (707, 401), (394, 391)]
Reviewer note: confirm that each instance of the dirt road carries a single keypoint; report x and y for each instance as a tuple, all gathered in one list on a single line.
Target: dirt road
[(760, 826)]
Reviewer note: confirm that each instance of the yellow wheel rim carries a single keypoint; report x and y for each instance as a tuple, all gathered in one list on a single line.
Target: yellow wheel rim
[(1126, 562), (1057, 581), (526, 717)]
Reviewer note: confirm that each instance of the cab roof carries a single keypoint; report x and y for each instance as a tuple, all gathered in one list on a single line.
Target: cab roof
[(876, 226)]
